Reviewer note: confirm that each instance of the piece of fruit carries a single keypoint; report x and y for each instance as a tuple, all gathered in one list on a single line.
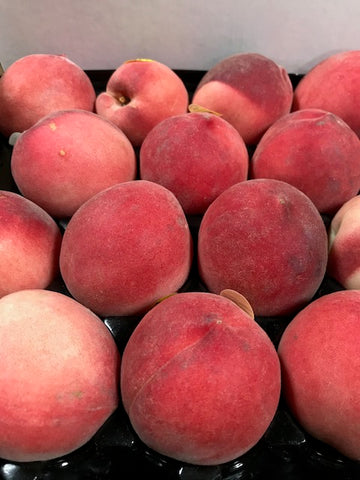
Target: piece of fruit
[(333, 84), (139, 94), (59, 375), (320, 359), (344, 245), (38, 84), (126, 248), (30, 242), (265, 239), (195, 155), (67, 157), (200, 380), (314, 150), (250, 90)]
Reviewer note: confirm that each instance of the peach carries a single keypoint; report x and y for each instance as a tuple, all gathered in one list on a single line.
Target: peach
[(126, 248), (67, 157), (319, 353), (139, 94), (344, 245), (333, 85), (200, 379), (59, 375), (315, 151), (265, 239), (195, 155), (37, 84), (250, 90), (30, 243)]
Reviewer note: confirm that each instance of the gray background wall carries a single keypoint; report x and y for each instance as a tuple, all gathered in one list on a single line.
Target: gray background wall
[(184, 34)]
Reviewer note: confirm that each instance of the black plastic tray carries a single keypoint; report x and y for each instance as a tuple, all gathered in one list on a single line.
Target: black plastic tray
[(115, 452)]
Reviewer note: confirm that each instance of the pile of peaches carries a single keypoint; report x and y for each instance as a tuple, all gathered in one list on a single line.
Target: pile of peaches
[(108, 188)]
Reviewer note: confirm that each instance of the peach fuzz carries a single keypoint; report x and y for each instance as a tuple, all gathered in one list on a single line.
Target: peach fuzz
[(320, 358), (200, 379), (314, 150), (195, 155), (30, 242), (38, 84), (265, 239), (333, 85), (67, 157), (250, 90), (59, 375), (139, 94), (344, 245), (126, 248)]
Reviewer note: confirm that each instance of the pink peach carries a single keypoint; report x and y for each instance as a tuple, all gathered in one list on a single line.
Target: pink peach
[(196, 156), (319, 353), (315, 151), (344, 245), (67, 157), (200, 380), (37, 84), (250, 90), (265, 239), (333, 84), (30, 242), (126, 248), (59, 375), (139, 94)]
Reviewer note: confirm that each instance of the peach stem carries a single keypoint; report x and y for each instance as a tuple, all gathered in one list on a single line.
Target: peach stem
[(123, 100)]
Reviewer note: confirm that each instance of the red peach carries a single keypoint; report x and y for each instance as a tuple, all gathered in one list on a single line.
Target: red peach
[(196, 156), (320, 358), (37, 84), (315, 151), (139, 94), (30, 243), (333, 85), (69, 156), (59, 375), (265, 239), (126, 248), (344, 245), (250, 90), (200, 379)]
